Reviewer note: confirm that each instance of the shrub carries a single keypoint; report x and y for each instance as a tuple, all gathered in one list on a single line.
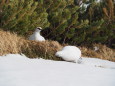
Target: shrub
[(22, 16)]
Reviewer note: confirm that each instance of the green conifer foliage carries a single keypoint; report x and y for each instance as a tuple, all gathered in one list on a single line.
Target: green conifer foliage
[(101, 27), (23, 15), (63, 19)]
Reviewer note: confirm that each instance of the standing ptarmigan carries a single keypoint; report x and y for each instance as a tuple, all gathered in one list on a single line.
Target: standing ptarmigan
[(70, 53), (36, 35)]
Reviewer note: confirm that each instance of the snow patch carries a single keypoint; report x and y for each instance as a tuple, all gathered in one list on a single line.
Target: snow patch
[(18, 70), (98, 63)]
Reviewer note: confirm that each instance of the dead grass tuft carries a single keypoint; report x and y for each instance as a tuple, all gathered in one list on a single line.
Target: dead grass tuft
[(45, 49), (106, 52), (103, 52), (11, 43)]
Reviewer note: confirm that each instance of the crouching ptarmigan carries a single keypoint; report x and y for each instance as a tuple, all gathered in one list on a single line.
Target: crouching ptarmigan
[(36, 35), (70, 53)]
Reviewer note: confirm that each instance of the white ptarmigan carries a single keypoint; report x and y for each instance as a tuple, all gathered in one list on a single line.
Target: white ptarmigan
[(36, 35), (70, 53)]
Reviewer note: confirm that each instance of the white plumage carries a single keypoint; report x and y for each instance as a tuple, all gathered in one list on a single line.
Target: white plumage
[(70, 53), (36, 35)]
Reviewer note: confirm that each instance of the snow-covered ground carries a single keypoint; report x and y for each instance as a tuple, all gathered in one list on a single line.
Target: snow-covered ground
[(17, 70)]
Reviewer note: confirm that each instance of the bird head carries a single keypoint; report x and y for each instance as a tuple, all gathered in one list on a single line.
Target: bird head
[(38, 29)]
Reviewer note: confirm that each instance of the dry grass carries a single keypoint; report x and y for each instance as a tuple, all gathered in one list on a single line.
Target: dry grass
[(46, 49), (103, 52), (11, 43)]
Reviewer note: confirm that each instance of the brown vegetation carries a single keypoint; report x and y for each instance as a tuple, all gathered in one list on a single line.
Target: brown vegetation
[(45, 49), (11, 43), (103, 52)]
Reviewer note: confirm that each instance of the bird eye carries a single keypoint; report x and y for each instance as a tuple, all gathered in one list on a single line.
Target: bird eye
[(39, 28)]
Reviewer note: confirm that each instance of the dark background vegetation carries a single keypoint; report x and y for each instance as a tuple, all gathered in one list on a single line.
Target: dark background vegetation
[(77, 22)]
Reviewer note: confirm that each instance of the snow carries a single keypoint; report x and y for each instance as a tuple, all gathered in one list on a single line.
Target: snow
[(96, 48), (36, 35), (69, 53), (18, 70)]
